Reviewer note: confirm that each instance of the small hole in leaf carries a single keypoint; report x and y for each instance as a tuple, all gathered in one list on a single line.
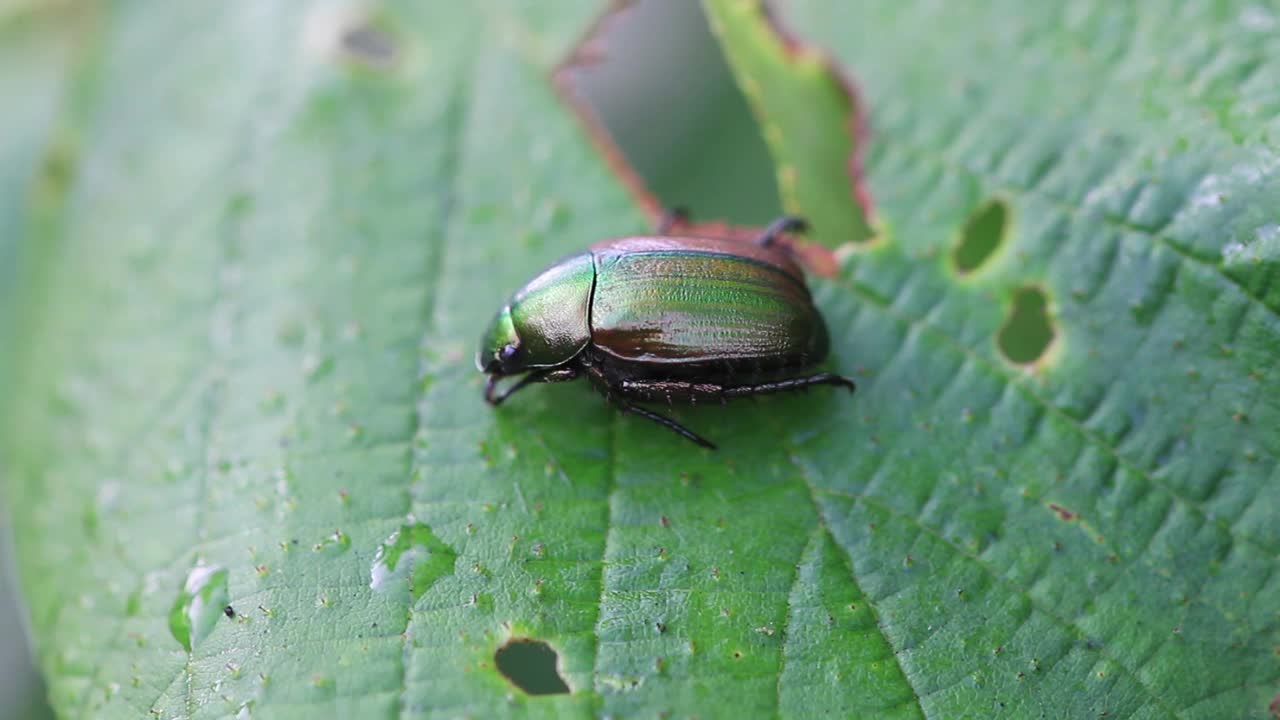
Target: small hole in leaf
[(1028, 330), (369, 45), (345, 32), (531, 666), (981, 237)]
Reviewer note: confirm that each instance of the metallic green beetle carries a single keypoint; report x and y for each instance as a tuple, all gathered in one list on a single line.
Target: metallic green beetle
[(664, 318)]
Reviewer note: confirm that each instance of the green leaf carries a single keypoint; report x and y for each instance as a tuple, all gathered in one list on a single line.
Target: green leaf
[(247, 375), (1059, 487), (807, 117)]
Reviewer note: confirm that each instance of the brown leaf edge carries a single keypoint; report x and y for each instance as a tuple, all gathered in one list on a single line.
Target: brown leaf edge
[(859, 127), (588, 51)]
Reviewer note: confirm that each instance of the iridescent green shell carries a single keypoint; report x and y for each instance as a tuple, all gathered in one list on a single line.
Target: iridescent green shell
[(694, 302), (676, 304), (548, 320)]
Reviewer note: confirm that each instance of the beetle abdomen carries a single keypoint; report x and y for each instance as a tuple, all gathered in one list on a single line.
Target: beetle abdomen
[(686, 306)]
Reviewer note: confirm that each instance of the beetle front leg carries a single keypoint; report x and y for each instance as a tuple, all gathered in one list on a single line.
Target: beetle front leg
[(784, 224), (491, 387), (562, 374)]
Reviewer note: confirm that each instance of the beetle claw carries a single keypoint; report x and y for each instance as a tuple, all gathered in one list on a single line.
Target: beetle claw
[(672, 217), (784, 224)]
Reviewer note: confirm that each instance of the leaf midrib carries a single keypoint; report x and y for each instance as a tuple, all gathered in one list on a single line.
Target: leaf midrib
[(460, 105)]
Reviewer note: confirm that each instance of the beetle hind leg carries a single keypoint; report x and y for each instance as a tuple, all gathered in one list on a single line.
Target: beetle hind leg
[(651, 390), (790, 384)]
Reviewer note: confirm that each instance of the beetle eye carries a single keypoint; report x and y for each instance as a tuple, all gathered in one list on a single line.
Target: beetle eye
[(507, 357)]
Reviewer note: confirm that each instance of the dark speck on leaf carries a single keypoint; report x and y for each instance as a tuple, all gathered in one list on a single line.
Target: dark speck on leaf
[(1062, 512)]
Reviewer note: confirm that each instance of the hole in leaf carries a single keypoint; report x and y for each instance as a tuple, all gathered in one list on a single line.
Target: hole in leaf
[(531, 666), (1028, 330), (651, 54), (370, 45), (981, 237), (345, 32)]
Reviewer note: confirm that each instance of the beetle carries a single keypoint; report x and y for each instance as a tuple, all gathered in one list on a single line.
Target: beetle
[(662, 317)]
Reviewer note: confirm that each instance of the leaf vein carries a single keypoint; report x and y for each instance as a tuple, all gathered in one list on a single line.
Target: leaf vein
[(611, 488), (1003, 580), (1089, 435), (825, 527), (455, 121)]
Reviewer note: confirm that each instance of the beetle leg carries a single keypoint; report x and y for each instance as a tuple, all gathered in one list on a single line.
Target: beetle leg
[(790, 384), (491, 387), (615, 393), (654, 390), (784, 224), (672, 217), (562, 374), (666, 422)]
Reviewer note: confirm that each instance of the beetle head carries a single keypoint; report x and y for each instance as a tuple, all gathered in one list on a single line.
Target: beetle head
[(544, 324), (500, 351)]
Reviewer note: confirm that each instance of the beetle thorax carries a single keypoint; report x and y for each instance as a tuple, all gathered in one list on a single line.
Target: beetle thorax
[(549, 318)]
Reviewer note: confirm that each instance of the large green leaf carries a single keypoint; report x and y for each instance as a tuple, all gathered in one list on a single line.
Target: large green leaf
[(247, 381), (1094, 534)]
